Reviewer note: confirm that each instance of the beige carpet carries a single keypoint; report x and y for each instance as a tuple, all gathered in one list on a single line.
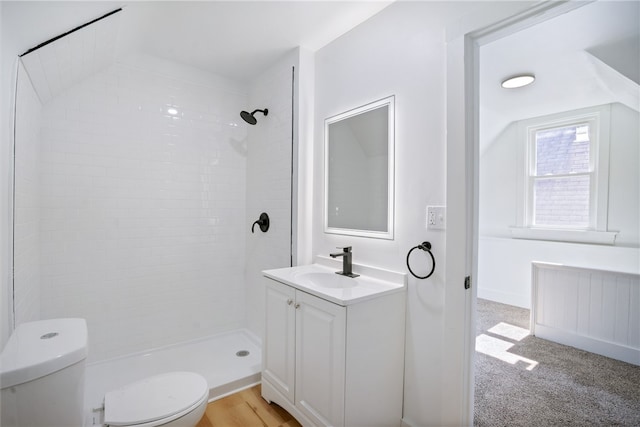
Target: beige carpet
[(522, 380)]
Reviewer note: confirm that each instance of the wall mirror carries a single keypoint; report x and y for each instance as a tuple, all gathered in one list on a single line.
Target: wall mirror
[(359, 171)]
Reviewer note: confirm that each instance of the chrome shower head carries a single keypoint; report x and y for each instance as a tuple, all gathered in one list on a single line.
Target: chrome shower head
[(249, 117)]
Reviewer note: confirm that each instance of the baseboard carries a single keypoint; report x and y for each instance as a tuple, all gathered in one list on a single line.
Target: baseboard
[(233, 387), (522, 301), (604, 348)]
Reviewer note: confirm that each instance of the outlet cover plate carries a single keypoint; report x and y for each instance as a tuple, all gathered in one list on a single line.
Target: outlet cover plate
[(436, 216)]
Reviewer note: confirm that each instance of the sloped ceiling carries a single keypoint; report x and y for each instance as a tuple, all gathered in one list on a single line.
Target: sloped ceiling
[(589, 56), (59, 65), (234, 39)]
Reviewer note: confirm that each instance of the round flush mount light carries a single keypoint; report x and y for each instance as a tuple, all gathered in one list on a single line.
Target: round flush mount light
[(172, 111), (518, 81)]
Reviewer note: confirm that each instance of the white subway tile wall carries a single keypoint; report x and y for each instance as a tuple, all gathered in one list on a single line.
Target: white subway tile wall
[(143, 204), (27, 202)]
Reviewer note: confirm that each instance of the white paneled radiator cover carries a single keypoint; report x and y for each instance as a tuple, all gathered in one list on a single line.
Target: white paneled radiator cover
[(593, 310)]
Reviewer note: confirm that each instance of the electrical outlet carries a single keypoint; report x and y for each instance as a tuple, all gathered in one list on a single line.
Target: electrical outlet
[(436, 216)]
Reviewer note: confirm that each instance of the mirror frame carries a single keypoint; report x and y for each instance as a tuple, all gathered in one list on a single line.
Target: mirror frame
[(389, 233)]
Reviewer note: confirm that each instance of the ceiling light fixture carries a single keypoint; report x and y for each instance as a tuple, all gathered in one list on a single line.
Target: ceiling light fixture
[(172, 111), (518, 81)]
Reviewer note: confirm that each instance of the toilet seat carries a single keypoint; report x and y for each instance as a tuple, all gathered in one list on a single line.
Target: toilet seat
[(155, 400)]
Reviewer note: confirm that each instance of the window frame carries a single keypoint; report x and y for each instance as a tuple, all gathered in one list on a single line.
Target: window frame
[(598, 118)]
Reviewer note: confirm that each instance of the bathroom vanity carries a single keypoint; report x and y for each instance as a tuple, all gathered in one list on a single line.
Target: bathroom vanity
[(333, 351)]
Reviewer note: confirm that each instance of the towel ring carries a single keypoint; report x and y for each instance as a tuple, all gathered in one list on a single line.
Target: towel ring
[(425, 246)]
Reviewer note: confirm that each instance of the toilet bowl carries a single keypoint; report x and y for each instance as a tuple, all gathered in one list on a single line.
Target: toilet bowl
[(174, 399)]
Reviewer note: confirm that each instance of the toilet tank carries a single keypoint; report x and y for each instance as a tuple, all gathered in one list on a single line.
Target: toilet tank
[(42, 374)]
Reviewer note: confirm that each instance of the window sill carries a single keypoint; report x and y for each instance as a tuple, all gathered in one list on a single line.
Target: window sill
[(557, 235)]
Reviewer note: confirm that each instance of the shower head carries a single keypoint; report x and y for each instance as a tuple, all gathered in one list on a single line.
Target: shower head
[(249, 118)]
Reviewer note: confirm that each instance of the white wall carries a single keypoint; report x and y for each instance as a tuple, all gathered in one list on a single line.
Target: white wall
[(269, 146), (7, 66), (416, 51), (27, 295), (402, 52), (303, 148), (504, 265)]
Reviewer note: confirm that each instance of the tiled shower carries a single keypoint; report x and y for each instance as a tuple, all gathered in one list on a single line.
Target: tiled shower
[(136, 187)]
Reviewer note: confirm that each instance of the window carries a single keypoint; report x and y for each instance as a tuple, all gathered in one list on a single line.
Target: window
[(563, 193), (560, 177)]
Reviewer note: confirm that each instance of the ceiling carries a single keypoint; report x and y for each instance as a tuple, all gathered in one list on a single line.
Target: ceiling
[(586, 57), (234, 39), (237, 39)]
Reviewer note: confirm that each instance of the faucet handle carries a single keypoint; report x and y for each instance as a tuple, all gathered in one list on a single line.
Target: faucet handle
[(344, 248)]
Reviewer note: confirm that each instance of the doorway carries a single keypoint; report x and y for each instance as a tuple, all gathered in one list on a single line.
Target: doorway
[(573, 72)]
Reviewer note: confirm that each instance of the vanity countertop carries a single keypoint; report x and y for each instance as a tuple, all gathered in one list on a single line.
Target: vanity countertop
[(323, 282)]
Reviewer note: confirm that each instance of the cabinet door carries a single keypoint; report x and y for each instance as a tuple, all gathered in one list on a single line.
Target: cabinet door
[(320, 359), (278, 354)]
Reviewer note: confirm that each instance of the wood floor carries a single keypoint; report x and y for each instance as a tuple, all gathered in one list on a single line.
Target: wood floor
[(246, 408)]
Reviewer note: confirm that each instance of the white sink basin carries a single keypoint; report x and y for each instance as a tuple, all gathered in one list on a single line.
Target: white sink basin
[(328, 280), (322, 281)]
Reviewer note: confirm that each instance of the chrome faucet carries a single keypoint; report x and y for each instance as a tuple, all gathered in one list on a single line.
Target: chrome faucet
[(346, 255)]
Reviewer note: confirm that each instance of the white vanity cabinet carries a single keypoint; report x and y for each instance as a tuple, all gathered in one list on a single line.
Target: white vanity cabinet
[(330, 364), (303, 356)]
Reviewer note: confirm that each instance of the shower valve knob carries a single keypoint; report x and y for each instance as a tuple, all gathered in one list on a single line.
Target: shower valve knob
[(262, 222), (289, 301)]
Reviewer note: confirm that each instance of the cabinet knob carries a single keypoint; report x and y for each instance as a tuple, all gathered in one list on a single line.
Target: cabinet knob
[(297, 305), (289, 301)]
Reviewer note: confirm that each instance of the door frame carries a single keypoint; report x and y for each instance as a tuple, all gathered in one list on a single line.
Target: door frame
[(464, 40)]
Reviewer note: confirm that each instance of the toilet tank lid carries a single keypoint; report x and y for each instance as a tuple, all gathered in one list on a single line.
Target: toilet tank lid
[(155, 398), (40, 348)]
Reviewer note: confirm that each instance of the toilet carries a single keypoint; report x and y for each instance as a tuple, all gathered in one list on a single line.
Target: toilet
[(42, 375)]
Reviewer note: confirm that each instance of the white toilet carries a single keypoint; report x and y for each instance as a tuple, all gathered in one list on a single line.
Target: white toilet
[(42, 374)]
